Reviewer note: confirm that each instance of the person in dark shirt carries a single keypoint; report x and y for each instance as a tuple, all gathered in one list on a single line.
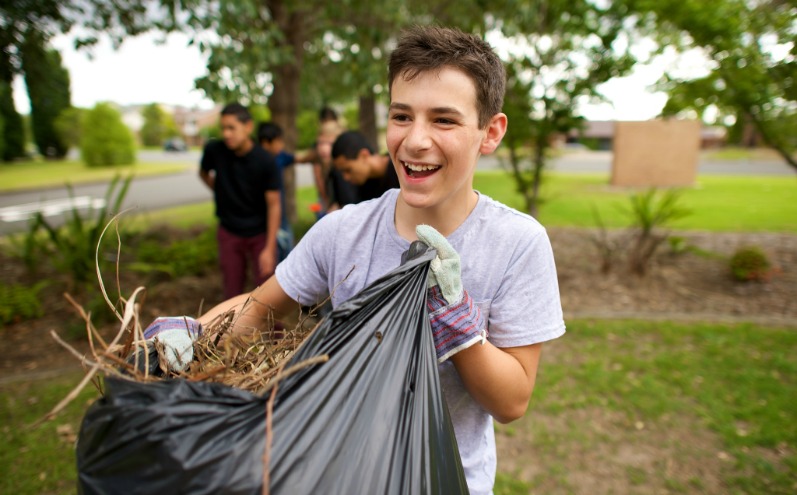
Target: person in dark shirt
[(246, 189), (271, 139), (355, 159)]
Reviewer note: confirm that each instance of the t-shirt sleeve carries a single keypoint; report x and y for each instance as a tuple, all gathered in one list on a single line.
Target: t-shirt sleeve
[(527, 308), (304, 274)]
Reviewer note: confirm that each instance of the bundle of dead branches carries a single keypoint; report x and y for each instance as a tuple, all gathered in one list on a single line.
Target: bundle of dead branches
[(253, 360)]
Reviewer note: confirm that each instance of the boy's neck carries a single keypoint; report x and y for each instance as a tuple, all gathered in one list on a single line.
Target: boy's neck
[(445, 218)]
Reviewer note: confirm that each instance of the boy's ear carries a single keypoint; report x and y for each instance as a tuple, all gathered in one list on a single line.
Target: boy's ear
[(496, 129)]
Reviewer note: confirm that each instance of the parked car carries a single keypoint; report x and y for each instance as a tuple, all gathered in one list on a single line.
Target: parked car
[(174, 144)]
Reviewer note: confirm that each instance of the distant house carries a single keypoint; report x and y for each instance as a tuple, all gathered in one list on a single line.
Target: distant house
[(599, 134), (191, 121)]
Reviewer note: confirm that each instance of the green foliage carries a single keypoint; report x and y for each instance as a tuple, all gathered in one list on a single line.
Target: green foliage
[(751, 76), (650, 213), (307, 127), (69, 126), (2, 135), (158, 125), (13, 130), (750, 263), (106, 140), (74, 245), (47, 81), (563, 51), (195, 256), (20, 302)]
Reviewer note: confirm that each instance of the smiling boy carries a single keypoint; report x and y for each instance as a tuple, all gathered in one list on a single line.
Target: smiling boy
[(495, 272)]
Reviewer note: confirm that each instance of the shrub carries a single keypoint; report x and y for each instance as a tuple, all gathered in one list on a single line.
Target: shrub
[(74, 244), (750, 263), (105, 139), (20, 302), (650, 213), (194, 256)]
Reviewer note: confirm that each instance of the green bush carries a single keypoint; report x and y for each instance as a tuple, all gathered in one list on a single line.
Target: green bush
[(105, 139), (73, 246), (194, 256), (750, 263), (20, 302)]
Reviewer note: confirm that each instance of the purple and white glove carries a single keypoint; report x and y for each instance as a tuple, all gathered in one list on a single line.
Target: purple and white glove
[(456, 321), (177, 335)]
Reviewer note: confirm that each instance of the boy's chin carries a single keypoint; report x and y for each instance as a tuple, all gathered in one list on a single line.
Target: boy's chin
[(417, 200)]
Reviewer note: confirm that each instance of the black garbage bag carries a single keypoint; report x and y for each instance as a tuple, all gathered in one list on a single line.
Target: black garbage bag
[(370, 420)]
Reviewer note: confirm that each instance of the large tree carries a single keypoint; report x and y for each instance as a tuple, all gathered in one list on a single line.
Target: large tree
[(47, 81), (751, 46)]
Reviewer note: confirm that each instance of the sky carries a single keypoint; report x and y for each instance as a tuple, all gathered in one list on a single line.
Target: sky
[(143, 71)]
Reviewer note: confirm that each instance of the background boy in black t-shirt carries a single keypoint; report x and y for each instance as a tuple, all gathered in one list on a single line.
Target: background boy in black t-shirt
[(246, 188), (357, 162)]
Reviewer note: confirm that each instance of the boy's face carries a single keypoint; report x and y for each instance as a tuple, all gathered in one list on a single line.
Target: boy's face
[(275, 146), (235, 133), (355, 171), (434, 139)]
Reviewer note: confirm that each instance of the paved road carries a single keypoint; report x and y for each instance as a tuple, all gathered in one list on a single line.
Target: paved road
[(153, 193)]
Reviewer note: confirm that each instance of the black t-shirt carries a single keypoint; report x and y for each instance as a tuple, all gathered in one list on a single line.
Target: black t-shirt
[(241, 185), (340, 190), (374, 188)]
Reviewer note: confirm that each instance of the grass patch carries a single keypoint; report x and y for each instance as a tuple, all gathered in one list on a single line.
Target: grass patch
[(40, 460), (40, 173), (732, 383), (717, 203)]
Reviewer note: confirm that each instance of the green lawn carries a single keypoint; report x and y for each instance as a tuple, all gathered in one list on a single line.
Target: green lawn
[(35, 174), (717, 203), (663, 407), (684, 394)]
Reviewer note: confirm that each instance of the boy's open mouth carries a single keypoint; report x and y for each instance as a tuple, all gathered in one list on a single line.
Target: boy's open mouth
[(419, 170)]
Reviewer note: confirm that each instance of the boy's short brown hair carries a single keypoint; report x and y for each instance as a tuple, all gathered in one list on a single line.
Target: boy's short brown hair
[(429, 48)]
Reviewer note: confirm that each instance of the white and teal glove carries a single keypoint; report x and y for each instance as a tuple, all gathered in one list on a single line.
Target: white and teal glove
[(456, 321), (177, 335)]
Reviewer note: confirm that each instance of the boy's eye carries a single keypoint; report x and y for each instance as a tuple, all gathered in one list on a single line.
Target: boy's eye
[(400, 117)]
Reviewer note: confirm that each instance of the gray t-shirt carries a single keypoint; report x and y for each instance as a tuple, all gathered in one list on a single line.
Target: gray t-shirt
[(507, 268)]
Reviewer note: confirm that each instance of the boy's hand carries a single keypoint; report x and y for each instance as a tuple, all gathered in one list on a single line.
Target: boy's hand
[(177, 334), (457, 323)]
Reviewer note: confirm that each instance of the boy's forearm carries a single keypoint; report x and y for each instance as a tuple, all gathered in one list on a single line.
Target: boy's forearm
[(500, 379)]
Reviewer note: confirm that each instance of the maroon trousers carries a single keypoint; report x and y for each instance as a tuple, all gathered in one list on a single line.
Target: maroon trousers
[(235, 253)]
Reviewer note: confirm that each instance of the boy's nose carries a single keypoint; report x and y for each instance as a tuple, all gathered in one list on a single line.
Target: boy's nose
[(418, 137)]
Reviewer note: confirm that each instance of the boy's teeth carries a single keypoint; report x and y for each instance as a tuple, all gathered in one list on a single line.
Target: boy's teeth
[(419, 167)]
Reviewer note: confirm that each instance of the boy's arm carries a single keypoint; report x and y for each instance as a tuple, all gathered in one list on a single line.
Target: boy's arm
[(274, 211), (253, 310), (501, 380)]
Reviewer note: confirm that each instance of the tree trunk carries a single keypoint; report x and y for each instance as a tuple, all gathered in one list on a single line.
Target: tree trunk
[(367, 119), (284, 100)]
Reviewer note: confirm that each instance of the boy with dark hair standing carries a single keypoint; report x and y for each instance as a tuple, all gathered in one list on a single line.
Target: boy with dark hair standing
[(246, 189), (493, 296), (357, 162), (270, 136)]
